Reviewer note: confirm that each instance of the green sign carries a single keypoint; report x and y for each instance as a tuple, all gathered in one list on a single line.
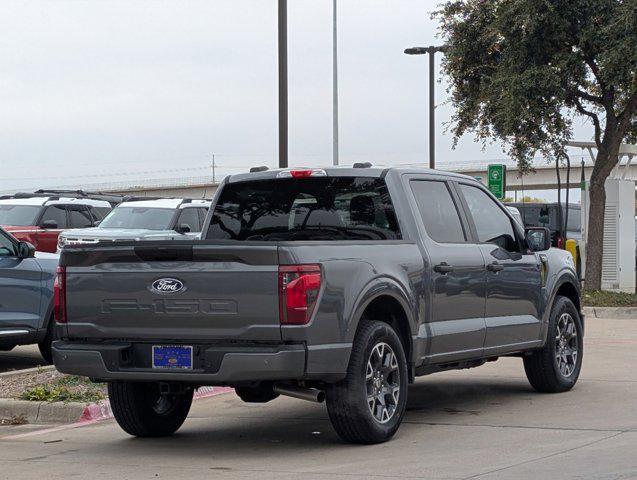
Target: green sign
[(496, 175)]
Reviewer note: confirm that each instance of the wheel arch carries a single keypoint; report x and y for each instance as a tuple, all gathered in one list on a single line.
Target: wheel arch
[(386, 301), (567, 286)]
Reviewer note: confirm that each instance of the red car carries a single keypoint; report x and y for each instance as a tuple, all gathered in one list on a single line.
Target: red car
[(38, 218)]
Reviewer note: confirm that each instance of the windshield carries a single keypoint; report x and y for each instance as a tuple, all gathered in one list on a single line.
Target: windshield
[(321, 208), (19, 215), (139, 217)]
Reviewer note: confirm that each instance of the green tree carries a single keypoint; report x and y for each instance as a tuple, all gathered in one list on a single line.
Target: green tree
[(521, 70)]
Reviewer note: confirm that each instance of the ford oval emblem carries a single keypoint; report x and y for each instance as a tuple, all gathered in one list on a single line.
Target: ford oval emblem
[(167, 285)]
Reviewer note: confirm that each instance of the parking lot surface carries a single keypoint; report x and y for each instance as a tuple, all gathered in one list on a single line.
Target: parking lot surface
[(20, 358), (480, 423)]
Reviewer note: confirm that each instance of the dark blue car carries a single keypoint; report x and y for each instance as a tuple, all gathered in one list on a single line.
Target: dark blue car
[(26, 295)]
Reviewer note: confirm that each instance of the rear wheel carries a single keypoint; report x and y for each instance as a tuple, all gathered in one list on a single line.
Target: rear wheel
[(556, 367), (45, 345), (141, 410), (368, 405)]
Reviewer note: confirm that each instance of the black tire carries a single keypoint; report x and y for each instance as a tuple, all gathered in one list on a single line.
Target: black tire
[(141, 411), (45, 345), (347, 401), (261, 393), (543, 367)]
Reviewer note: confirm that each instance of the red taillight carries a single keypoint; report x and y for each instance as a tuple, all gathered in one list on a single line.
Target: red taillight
[(299, 287), (59, 292), (301, 173), (560, 241)]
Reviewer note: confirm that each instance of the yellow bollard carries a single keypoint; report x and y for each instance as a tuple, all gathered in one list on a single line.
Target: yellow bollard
[(571, 247)]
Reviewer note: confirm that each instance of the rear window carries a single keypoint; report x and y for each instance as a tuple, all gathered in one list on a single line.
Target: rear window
[(539, 216), (18, 215), (323, 208)]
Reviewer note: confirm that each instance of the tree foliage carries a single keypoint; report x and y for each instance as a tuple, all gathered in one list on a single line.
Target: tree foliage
[(521, 70)]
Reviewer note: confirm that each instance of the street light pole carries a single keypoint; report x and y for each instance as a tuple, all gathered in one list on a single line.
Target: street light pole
[(283, 83), (431, 50), (334, 87)]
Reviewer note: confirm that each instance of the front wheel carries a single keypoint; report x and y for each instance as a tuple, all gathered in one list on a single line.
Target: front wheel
[(556, 367), (142, 411), (368, 405)]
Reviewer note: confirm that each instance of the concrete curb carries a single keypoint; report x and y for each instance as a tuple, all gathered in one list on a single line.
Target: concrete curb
[(611, 312), (74, 412), (12, 373), (40, 412)]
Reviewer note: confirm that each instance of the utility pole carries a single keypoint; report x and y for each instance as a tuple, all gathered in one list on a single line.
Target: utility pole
[(283, 83), (431, 50), (335, 86), (213, 168)]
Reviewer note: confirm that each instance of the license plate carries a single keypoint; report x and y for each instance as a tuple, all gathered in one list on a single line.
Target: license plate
[(172, 356)]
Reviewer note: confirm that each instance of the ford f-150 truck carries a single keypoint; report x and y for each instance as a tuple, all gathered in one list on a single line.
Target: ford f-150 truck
[(336, 284)]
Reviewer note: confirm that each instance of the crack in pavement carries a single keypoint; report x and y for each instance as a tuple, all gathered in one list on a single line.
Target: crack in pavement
[(544, 457)]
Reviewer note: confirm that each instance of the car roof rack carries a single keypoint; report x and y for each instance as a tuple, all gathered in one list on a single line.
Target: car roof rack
[(112, 198)]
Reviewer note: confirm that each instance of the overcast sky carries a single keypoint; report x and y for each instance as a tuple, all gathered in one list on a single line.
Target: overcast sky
[(109, 91)]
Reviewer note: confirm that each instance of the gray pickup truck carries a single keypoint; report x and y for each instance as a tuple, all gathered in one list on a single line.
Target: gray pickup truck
[(341, 284)]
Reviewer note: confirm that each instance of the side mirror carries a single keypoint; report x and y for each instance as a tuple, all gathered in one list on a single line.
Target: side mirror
[(26, 250), (183, 228), (96, 223), (49, 224), (538, 238)]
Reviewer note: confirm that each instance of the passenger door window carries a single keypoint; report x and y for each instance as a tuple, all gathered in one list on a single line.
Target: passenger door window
[(190, 217), (7, 249), (438, 211), (492, 224), (80, 216), (55, 213)]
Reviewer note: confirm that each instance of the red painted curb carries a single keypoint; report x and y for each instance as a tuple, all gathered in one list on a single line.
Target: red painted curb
[(96, 412)]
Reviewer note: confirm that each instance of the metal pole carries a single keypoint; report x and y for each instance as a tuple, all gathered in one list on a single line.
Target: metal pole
[(213, 168), (432, 107), (283, 84), (335, 87)]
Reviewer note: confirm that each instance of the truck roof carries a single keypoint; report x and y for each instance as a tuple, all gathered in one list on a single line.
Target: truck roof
[(167, 203), (346, 171), (40, 201)]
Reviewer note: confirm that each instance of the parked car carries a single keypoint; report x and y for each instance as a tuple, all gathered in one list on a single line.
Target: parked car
[(552, 216), (158, 219), (26, 295), (38, 218), (341, 284)]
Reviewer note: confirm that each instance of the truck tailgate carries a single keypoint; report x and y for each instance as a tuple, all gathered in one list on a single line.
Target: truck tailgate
[(173, 291)]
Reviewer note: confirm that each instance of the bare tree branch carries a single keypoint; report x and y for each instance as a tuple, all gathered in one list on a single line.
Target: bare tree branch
[(598, 129), (588, 97)]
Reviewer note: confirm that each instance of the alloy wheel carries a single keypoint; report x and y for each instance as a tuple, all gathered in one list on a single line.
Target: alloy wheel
[(566, 345), (383, 382)]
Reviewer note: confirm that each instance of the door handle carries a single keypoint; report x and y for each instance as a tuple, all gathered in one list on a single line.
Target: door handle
[(443, 268), (495, 267)]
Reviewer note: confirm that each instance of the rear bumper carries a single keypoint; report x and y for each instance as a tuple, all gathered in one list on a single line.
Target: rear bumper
[(10, 337), (212, 364)]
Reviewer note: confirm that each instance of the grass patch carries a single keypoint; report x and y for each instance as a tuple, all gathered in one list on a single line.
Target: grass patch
[(69, 388), (599, 298)]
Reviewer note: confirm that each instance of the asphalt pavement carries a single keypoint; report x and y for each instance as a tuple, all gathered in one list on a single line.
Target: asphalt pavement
[(20, 358), (479, 423)]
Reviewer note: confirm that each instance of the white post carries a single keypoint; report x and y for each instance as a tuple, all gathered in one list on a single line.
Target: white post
[(335, 87)]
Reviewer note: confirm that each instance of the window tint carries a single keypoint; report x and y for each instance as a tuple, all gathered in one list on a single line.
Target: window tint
[(7, 248), (55, 213), (80, 216), (99, 213), (318, 208), (438, 211), (18, 215), (190, 217), (202, 215), (493, 225), (574, 219)]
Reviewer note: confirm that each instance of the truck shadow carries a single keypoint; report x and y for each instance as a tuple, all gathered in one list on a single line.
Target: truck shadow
[(284, 425)]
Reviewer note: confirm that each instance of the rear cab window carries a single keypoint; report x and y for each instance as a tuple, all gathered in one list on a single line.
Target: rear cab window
[(315, 208)]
